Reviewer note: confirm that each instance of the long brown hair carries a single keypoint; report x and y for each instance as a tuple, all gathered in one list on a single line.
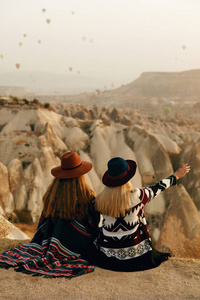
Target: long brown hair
[(62, 196), (114, 201)]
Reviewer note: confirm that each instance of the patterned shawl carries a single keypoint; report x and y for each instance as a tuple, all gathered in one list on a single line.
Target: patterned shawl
[(57, 248)]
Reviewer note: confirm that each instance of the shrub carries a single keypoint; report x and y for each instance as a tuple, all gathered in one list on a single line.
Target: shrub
[(24, 216), (46, 105), (35, 101), (25, 101)]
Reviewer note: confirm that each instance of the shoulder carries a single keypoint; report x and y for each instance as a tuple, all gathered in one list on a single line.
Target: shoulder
[(135, 195)]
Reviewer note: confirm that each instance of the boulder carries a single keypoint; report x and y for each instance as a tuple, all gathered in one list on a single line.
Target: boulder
[(181, 223), (75, 138), (50, 139), (191, 155), (9, 231), (15, 174), (6, 198)]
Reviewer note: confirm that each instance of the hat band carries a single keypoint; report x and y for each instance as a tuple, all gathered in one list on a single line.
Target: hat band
[(71, 168), (120, 175)]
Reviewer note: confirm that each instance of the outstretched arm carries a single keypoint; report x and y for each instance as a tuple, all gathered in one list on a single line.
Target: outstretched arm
[(182, 171), (147, 194)]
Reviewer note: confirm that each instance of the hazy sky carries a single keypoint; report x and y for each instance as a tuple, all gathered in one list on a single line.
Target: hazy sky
[(115, 39)]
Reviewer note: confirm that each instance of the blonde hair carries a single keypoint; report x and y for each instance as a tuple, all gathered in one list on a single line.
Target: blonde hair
[(114, 201), (62, 196)]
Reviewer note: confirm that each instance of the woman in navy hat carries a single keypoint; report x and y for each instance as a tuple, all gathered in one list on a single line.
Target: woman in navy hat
[(124, 242)]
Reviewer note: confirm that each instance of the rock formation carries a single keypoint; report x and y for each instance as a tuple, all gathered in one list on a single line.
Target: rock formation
[(33, 140)]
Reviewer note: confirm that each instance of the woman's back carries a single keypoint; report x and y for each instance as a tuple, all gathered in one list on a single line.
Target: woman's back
[(124, 242)]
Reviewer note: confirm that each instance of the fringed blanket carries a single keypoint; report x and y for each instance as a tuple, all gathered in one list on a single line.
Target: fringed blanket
[(55, 250)]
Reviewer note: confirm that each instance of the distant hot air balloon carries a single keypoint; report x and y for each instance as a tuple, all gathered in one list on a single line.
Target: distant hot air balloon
[(112, 84), (25, 35), (39, 41), (44, 10), (78, 72), (73, 12), (91, 40), (48, 21), (17, 66), (184, 47), (1, 56), (20, 44), (70, 68), (98, 91), (84, 38)]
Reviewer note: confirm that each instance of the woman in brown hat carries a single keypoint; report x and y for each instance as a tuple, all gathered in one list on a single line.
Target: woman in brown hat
[(124, 242), (67, 227)]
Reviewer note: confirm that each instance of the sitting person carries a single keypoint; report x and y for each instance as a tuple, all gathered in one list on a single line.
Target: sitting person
[(67, 227), (124, 242)]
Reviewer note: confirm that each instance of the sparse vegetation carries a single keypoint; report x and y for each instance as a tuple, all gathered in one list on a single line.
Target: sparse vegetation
[(25, 101), (35, 101), (24, 216), (47, 105)]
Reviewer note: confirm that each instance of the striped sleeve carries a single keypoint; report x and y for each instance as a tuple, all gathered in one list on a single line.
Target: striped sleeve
[(147, 194)]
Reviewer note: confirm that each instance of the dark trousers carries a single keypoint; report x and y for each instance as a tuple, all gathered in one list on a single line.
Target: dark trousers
[(149, 260)]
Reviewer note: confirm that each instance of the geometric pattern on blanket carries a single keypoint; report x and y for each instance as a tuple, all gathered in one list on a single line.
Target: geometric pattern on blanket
[(54, 251)]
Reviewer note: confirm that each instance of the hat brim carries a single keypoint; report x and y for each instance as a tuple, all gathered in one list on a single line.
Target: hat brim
[(111, 182), (58, 172)]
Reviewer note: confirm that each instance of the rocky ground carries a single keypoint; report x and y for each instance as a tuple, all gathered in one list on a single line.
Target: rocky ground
[(174, 279), (159, 137)]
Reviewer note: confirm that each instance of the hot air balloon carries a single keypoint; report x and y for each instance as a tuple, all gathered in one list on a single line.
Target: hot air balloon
[(91, 40), (44, 10), (17, 66), (84, 38), (70, 68), (48, 21), (39, 41), (1, 56), (184, 47), (98, 91), (20, 44), (112, 84), (25, 35), (73, 12)]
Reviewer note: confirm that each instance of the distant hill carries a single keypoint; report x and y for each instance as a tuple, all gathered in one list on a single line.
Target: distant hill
[(171, 85), (17, 91), (45, 83), (174, 86)]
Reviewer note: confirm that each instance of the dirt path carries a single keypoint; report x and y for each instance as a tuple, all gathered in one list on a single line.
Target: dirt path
[(174, 279)]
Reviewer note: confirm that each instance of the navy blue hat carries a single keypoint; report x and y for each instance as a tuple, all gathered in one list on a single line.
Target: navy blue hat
[(119, 172)]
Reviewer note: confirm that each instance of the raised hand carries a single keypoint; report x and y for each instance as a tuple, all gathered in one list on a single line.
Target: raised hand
[(182, 171)]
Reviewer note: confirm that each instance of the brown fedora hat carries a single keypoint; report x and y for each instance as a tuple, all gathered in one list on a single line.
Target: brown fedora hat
[(71, 166)]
